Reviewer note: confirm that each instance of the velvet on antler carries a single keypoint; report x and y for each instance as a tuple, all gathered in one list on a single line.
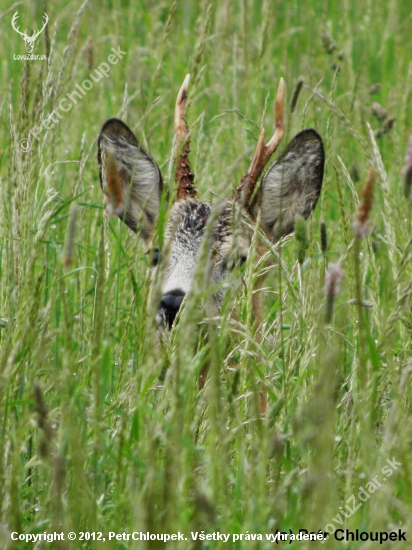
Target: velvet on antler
[(183, 175)]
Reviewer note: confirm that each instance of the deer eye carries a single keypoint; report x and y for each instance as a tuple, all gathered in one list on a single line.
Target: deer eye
[(242, 260), (155, 256)]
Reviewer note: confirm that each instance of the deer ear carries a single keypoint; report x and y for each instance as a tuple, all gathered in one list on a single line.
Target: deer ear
[(292, 185), (129, 177)]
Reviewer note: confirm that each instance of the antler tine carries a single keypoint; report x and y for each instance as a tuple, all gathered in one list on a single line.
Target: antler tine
[(183, 176), (45, 21), (14, 23), (263, 152)]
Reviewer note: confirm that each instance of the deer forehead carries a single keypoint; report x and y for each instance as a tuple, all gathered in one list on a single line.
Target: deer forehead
[(188, 219), (187, 225)]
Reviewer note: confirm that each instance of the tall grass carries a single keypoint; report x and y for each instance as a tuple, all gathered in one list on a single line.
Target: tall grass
[(103, 426)]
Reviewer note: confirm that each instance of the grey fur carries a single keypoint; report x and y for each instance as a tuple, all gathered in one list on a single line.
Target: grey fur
[(184, 234), (292, 185)]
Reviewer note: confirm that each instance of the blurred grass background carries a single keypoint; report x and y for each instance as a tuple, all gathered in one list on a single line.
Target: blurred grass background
[(104, 429)]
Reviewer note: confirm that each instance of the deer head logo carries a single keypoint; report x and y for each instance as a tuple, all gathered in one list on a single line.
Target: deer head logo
[(29, 40)]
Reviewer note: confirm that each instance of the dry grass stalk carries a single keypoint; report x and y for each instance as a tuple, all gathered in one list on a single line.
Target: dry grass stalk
[(70, 236), (43, 423)]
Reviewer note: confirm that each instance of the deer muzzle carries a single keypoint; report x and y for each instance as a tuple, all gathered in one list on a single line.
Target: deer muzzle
[(169, 307)]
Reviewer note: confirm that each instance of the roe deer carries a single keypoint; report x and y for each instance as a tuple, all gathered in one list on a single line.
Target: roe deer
[(132, 183)]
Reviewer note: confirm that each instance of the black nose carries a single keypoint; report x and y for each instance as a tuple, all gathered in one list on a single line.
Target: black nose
[(169, 306)]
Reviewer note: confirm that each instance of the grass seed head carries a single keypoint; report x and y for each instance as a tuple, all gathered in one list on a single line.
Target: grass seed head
[(388, 124), (378, 111), (329, 45), (70, 237), (360, 225), (323, 237), (301, 239), (296, 93), (43, 422), (114, 185), (374, 89), (333, 278)]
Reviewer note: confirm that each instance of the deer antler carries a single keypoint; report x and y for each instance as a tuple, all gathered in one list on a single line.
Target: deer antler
[(183, 176), (46, 20), (13, 24), (263, 152)]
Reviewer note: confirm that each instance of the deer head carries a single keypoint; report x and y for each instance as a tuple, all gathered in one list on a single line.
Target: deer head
[(29, 40), (132, 183)]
